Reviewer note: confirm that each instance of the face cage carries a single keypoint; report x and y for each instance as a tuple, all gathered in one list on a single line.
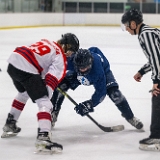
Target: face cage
[(123, 26), (85, 72)]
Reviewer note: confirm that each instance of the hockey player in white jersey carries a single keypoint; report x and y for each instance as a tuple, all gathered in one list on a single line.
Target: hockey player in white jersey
[(36, 70)]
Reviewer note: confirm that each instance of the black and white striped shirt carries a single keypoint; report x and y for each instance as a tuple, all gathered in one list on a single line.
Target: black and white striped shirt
[(149, 39)]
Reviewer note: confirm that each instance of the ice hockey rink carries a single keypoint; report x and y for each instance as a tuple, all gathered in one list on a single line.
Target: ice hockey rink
[(80, 137)]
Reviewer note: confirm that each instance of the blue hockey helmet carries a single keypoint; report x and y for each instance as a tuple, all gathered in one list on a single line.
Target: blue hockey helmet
[(83, 61)]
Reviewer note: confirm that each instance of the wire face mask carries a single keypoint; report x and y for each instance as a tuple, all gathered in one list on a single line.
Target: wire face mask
[(85, 69), (83, 61), (124, 26)]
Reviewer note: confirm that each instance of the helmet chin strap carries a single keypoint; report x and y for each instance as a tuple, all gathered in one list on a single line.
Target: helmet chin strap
[(135, 31)]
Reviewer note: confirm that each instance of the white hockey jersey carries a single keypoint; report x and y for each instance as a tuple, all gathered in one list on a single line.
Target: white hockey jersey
[(44, 57)]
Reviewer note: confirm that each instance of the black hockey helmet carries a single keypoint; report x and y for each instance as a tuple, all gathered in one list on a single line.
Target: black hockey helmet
[(83, 61), (71, 41), (132, 15)]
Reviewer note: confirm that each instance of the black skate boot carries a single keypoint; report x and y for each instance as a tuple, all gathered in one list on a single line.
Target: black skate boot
[(135, 122), (44, 143), (54, 116), (10, 128), (150, 144)]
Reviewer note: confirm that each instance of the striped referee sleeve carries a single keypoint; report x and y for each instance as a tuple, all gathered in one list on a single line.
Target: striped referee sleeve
[(149, 39)]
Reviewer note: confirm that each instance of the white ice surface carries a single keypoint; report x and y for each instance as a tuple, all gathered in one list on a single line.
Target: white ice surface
[(80, 137)]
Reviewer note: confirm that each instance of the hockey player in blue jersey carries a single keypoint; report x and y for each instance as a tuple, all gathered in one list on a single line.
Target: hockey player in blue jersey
[(91, 67)]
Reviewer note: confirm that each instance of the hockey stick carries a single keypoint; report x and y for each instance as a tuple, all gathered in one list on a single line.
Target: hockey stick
[(105, 129)]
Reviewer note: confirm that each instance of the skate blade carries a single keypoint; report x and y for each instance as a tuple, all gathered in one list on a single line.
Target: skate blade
[(44, 151), (8, 134), (153, 147), (140, 130)]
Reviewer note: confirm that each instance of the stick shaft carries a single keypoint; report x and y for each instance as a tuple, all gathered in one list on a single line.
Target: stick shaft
[(75, 103), (105, 129)]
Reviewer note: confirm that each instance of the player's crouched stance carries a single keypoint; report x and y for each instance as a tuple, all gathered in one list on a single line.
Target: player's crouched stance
[(91, 67), (28, 67)]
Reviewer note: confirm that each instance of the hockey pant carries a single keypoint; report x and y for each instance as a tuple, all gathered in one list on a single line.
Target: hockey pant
[(31, 85)]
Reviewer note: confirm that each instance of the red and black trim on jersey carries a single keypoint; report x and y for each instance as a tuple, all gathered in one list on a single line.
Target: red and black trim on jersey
[(29, 56), (51, 81)]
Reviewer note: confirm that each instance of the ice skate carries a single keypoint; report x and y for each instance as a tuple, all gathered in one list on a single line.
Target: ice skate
[(54, 116), (44, 144), (150, 144), (10, 129), (135, 122)]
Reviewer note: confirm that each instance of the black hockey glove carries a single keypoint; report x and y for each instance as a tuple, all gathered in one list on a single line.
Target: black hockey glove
[(71, 77), (84, 108)]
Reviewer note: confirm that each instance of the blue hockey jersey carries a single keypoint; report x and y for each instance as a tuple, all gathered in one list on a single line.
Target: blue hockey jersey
[(96, 76)]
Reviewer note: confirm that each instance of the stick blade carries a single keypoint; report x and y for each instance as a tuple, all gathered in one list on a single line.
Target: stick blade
[(112, 129)]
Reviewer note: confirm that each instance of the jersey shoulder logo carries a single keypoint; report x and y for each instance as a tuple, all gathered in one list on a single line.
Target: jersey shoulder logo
[(83, 80)]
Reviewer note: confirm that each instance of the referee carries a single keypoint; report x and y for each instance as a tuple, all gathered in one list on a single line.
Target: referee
[(149, 39)]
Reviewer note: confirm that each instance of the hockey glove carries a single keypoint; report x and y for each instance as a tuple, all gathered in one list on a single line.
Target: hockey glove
[(71, 77), (84, 108)]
